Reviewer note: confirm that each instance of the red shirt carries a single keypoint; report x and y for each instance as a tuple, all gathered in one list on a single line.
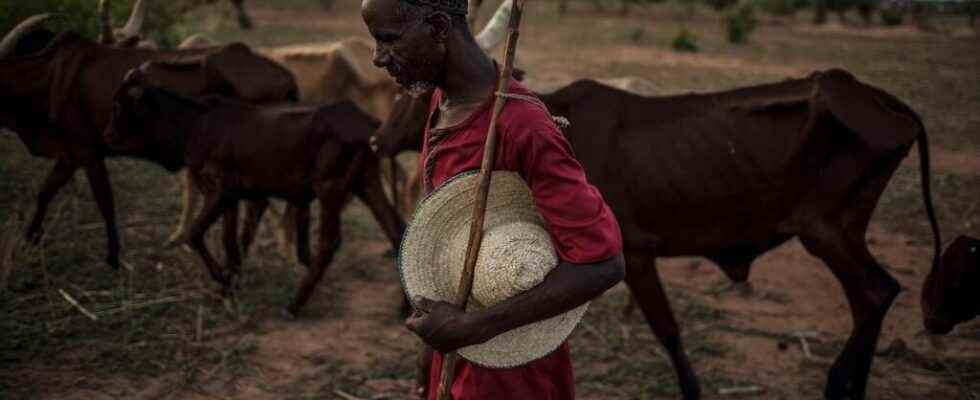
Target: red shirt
[(582, 227)]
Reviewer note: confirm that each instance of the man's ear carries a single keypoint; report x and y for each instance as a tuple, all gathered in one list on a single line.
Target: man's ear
[(441, 23)]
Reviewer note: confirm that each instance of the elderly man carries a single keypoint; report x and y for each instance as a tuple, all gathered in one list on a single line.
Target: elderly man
[(426, 45)]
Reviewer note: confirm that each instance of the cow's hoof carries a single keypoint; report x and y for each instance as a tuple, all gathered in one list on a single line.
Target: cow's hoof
[(286, 314), (33, 238), (175, 240), (744, 289)]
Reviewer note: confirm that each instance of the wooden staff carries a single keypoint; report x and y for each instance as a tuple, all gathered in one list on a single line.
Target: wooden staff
[(480, 207)]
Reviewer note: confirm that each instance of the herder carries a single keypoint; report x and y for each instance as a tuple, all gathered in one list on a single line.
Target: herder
[(426, 45)]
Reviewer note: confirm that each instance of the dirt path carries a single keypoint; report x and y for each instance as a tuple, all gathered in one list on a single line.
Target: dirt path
[(793, 292)]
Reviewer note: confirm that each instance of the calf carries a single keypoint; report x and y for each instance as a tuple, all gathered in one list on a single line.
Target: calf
[(732, 175), (238, 151), (951, 292)]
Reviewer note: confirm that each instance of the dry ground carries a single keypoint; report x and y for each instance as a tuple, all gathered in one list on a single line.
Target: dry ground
[(157, 332)]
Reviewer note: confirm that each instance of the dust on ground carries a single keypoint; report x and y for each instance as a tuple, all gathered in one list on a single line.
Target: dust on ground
[(352, 342)]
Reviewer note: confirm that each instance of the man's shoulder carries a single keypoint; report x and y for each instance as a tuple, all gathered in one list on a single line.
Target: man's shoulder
[(524, 113)]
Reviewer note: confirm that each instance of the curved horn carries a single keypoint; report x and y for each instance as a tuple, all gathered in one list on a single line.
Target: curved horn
[(135, 23), (495, 30), (105, 27), (27, 26)]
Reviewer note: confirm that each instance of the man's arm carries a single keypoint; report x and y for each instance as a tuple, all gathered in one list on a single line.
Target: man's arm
[(446, 327)]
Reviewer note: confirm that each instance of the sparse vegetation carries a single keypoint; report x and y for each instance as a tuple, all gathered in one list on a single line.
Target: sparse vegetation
[(162, 332), (685, 41), (740, 21)]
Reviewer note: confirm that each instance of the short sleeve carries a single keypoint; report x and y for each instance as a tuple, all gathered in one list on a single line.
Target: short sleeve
[(581, 224)]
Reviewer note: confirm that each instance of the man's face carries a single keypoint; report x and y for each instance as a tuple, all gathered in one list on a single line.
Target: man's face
[(408, 46)]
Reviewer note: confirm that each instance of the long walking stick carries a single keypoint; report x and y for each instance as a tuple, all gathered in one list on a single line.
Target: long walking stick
[(480, 208)]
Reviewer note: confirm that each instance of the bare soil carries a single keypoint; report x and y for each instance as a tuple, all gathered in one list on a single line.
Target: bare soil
[(352, 342)]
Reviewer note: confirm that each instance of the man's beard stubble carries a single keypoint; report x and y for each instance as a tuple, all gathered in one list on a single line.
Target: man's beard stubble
[(419, 88)]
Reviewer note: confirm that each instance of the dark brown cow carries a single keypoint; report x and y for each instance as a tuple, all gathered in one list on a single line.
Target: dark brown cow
[(57, 92), (239, 151), (731, 175), (951, 292)]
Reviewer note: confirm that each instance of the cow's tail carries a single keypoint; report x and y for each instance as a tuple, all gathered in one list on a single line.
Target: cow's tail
[(925, 173), (926, 176)]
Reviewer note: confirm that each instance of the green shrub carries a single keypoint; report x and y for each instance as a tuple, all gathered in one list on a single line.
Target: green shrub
[(819, 12), (82, 16), (685, 41), (740, 21), (891, 16), (777, 7)]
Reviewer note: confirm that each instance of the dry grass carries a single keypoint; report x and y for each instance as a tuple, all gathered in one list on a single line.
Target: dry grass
[(161, 331)]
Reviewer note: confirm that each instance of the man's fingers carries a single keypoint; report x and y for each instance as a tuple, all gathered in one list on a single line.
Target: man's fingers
[(414, 321)]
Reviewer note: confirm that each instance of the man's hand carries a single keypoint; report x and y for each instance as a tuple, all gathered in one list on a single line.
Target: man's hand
[(443, 326)]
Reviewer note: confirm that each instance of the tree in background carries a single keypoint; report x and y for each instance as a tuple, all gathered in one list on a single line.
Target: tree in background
[(740, 21), (163, 17)]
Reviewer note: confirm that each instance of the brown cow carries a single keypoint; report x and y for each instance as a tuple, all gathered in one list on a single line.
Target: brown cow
[(58, 89), (239, 151), (730, 176), (951, 292)]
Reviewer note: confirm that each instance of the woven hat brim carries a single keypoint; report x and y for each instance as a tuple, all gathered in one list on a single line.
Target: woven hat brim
[(445, 214)]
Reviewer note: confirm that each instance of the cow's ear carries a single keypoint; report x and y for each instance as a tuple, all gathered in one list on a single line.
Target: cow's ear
[(880, 121), (66, 65)]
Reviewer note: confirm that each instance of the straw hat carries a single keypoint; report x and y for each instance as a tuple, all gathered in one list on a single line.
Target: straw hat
[(515, 255)]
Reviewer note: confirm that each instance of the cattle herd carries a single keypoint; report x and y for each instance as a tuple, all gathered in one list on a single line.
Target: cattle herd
[(727, 176)]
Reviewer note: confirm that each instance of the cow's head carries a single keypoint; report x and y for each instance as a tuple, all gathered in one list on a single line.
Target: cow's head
[(28, 37), (150, 122), (951, 292), (38, 69), (402, 130)]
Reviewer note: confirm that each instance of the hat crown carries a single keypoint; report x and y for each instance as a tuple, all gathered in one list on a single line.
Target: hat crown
[(514, 257)]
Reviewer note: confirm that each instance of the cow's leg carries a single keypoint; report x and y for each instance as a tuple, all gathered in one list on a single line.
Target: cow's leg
[(331, 196), (244, 21), (98, 180), (738, 274), (229, 238), (214, 205), (870, 292), (369, 189), (286, 236), (190, 197), (254, 209), (56, 179), (644, 284), (410, 195), (302, 212)]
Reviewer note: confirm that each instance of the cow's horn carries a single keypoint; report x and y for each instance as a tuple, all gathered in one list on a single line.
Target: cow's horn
[(105, 27), (495, 30), (135, 23), (25, 27)]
